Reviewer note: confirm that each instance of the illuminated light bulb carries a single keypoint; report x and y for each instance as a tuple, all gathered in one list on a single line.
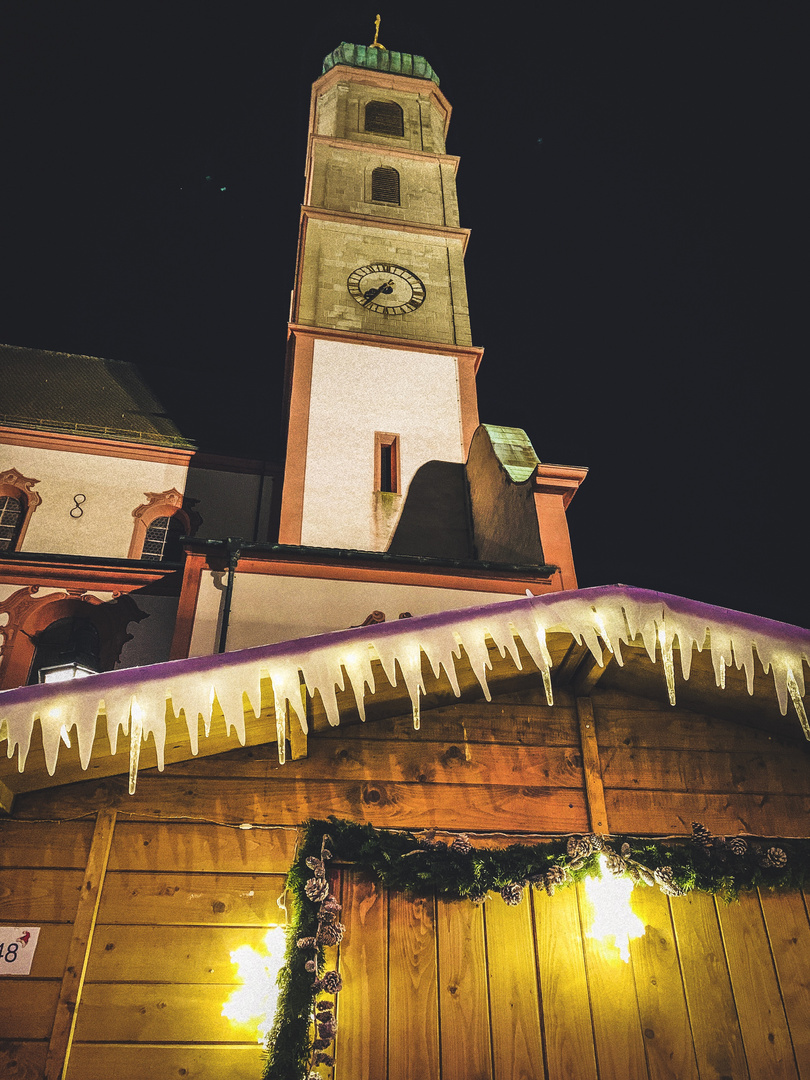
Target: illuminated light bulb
[(135, 736), (63, 735), (613, 918), (257, 1000)]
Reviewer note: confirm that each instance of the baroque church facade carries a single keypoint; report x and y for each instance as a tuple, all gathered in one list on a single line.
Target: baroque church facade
[(123, 545)]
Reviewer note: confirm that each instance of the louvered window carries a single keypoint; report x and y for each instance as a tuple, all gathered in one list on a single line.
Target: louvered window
[(11, 512), (384, 118), (163, 540), (385, 185)]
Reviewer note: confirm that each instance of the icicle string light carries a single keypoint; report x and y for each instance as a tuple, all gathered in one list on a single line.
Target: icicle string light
[(602, 618)]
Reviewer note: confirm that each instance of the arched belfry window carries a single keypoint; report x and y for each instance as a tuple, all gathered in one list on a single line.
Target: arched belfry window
[(17, 503), (385, 185), (384, 118), (11, 516), (160, 523), (162, 541)]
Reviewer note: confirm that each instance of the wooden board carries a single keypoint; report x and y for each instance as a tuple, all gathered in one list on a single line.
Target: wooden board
[(614, 1009), (152, 845), (463, 994), (789, 935), (709, 997), (362, 1040), (101, 1061), (182, 954), (387, 805), (420, 761), (157, 1012), (641, 768), (28, 1009), (659, 990), (763, 1024), (191, 899), (564, 999), (41, 895), (413, 1014), (63, 844), (517, 1051), (21, 1060), (672, 813)]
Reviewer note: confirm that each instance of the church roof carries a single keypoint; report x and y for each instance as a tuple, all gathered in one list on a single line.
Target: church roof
[(82, 395), (376, 59)]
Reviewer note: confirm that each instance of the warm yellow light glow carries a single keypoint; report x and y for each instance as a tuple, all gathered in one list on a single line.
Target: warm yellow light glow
[(613, 917), (256, 1001)]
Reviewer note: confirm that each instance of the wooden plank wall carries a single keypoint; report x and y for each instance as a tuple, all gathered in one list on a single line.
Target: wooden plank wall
[(431, 988)]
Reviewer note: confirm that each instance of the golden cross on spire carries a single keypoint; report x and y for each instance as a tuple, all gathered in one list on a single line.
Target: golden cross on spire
[(375, 44)]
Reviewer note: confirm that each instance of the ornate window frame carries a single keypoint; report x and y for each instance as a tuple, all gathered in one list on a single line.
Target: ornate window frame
[(169, 503), (13, 483), (29, 614)]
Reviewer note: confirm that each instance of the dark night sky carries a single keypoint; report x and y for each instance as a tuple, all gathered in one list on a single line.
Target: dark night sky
[(631, 174)]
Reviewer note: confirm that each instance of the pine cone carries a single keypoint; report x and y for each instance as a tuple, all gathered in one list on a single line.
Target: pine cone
[(512, 894), (331, 933), (327, 1029), (330, 906), (776, 856), (462, 844), (323, 1006), (737, 845), (323, 1059), (663, 876), (332, 982), (596, 841), (701, 836), (305, 942), (317, 888), (478, 896), (579, 847), (556, 875), (615, 864), (314, 863)]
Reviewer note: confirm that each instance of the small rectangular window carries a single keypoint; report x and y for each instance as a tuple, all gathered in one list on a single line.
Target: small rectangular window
[(386, 462)]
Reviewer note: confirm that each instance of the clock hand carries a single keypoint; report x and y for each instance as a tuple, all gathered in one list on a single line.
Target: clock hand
[(387, 288)]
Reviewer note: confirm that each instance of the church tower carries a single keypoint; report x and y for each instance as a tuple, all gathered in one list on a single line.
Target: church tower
[(381, 367)]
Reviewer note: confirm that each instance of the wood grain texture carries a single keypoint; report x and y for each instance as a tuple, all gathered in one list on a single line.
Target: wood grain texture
[(28, 1010), (152, 845), (619, 1042), (718, 770), (192, 899), (413, 1014), (789, 935), (517, 1050), (423, 762), (659, 990), (592, 767), (157, 1012), (712, 1011), (79, 948), (672, 813), (22, 1060), (463, 993), (36, 896), (386, 805), (101, 1061), (564, 998), (182, 954), (362, 1040), (763, 1024), (56, 845)]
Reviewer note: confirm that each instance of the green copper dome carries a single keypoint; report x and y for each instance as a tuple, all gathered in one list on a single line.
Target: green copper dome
[(367, 56)]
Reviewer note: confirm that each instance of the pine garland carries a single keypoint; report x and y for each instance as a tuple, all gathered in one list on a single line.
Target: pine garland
[(421, 864)]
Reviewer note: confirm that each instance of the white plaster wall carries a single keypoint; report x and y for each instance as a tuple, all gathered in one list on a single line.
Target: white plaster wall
[(356, 391), (267, 609), (113, 487), (205, 634)]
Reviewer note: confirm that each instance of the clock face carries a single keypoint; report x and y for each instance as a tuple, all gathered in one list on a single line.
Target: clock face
[(386, 289)]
